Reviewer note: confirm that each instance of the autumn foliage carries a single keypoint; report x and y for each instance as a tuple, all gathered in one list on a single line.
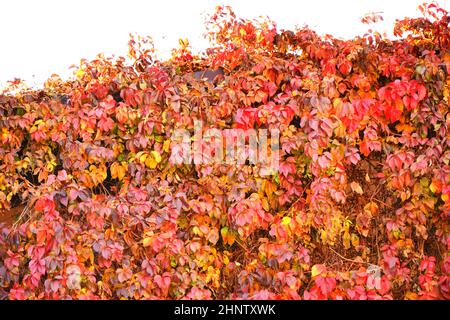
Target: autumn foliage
[(359, 207)]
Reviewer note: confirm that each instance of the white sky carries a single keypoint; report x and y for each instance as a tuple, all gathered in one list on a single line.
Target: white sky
[(38, 38)]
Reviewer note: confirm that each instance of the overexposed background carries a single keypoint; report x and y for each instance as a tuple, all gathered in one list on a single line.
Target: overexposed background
[(38, 38)]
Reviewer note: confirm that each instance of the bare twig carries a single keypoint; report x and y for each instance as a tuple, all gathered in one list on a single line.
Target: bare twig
[(25, 212), (347, 259), (383, 203)]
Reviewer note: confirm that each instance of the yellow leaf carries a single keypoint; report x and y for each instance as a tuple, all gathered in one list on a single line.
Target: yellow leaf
[(49, 166), (166, 146), (337, 102), (114, 170), (227, 236), (269, 187), (424, 182), (371, 208), (340, 130), (183, 42), (156, 156), (142, 157), (231, 238), (80, 73), (411, 296), (433, 187), (317, 269), (122, 171), (196, 230), (147, 242), (403, 127), (224, 232), (404, 195), (356, 187), (151, 163), (323, 236), (286, 221), (346, 240), (143, 85), (355, 240), (265, 204)]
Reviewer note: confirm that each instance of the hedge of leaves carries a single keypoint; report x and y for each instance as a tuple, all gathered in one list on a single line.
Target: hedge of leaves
[(359, 208)]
